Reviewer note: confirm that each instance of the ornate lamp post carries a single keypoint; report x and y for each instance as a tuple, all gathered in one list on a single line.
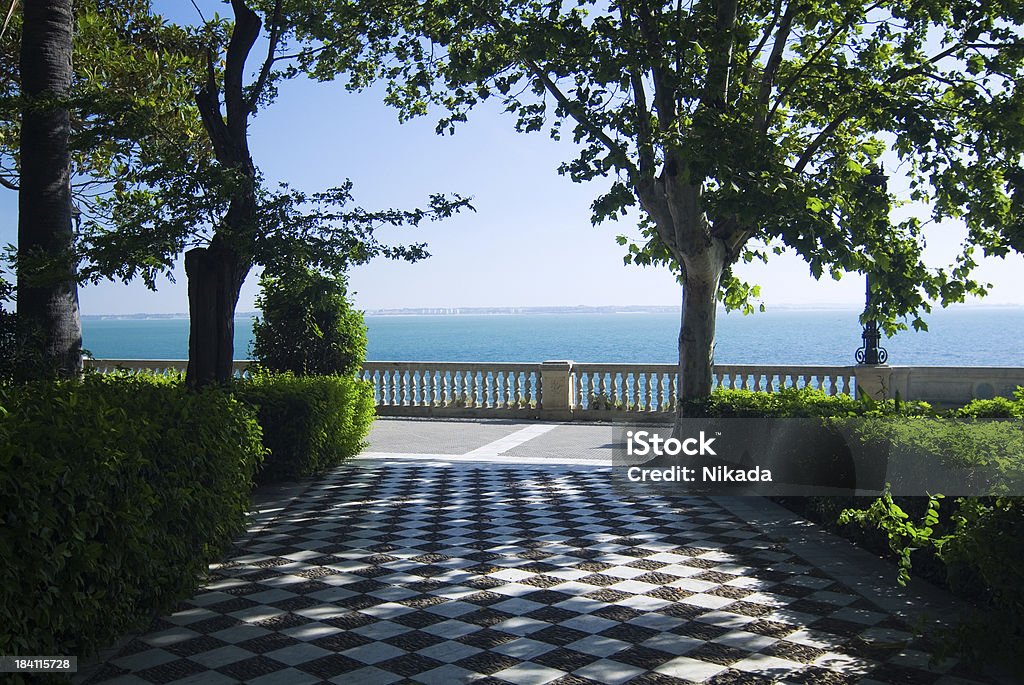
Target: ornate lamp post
[(871, 353)]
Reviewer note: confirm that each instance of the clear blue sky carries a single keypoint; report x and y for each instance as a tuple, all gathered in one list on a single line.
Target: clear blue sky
[(530, 241)]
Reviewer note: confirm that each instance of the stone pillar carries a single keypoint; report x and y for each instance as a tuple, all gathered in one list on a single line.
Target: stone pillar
[(558, 389), (874, 381)]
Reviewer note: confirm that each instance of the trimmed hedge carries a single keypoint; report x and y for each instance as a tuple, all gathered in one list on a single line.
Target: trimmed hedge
[(310, 423), (972, 545), (115, 494), (995, 408), (795, 403)]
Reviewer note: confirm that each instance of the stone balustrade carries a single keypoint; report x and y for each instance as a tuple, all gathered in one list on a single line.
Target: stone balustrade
[(158, 366), (565, 390), (454, 388)]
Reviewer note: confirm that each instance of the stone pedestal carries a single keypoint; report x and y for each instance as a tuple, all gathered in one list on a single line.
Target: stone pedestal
[(874, 382), (558, 388)]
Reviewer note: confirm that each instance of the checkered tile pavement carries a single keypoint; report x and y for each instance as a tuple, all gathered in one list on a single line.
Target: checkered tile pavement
[(423, 573)]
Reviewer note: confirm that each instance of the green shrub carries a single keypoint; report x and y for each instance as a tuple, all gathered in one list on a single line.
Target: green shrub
[(308, 326), (310, 423), (972, 544), (8, 333), (791, 403), (995, 408), (979, 543), (115, 493), (983, 557), (8, 344)]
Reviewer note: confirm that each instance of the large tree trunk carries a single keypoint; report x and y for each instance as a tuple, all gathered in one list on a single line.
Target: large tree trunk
[(215, 276), (697, 329), (699, 246), (50, 328), (216, 273)]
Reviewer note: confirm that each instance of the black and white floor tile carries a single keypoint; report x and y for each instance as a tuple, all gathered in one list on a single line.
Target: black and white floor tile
[(440, 574)]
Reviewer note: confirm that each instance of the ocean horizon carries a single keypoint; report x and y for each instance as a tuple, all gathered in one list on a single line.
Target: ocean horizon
[(977, 335)]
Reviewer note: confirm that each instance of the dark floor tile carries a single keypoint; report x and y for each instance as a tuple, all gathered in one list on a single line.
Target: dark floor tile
[(630, 633), (487, 662), (170, 671), (330, 666), (250, 669), (642, 657), (409, 664), (718, 654)]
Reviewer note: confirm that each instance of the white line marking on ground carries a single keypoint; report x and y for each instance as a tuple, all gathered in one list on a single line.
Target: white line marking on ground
[(399, 457), (493, 449), (404, 455)]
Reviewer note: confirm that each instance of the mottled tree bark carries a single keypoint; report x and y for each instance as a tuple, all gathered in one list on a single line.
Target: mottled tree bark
[(703, 249), (50, 329), (697, 328)]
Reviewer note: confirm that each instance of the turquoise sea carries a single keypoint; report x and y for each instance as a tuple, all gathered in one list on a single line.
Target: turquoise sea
[(968, 336)]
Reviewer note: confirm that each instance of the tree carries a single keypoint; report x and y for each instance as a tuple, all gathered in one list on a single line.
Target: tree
[(48, 318), (205, 197), (308, 325), (128, 88), (741, 128), (160, 130)]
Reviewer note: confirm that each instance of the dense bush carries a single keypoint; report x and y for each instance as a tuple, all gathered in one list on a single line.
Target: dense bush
[(788, 403), (983, 556), (308, 326), (8, 344), (798, 403), (115, 493), (310, 423), (995, 408), (973, 545)]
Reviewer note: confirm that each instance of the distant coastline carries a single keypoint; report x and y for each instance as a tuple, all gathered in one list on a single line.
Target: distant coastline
[(559, 310), (143, 316)]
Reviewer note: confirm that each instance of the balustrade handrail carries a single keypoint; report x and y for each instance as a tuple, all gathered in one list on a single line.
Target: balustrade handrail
[(90, 361), (566, 390), (445, 366), (800, 369), (238, 365)]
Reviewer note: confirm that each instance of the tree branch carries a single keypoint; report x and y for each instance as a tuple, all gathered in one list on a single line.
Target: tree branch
[(823, 135), (574, 110), (8, 184), (664, 93), (771, 69), (716, 84), (645, 136), (303, 53), (818, 141), (920, 69), (268, 63), (752, 59), (803, 67), (208, 102), (243, 37), (198, 11)]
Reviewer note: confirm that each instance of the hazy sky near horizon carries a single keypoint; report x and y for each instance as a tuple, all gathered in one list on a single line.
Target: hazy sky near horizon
[(530, 241)]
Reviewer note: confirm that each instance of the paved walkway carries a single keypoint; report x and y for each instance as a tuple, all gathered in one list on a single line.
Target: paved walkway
[(436, 560)]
